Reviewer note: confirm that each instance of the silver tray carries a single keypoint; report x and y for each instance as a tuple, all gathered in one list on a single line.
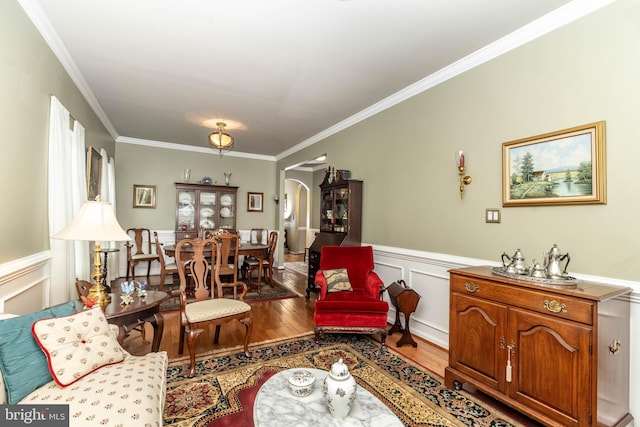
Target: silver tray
[(566, 282)]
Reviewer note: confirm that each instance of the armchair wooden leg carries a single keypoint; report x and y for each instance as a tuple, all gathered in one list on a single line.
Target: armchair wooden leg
[(181, 341), (192, 335), (248, 324)]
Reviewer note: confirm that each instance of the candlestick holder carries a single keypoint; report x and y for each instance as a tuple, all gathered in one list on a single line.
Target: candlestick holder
[(464, 179)]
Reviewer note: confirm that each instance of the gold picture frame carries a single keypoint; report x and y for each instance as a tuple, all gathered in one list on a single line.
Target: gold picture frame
[(94, 173), (255, 202), (565, 167), (144, 196)]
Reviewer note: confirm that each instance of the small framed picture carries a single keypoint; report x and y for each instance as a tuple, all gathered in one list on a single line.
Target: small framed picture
[(254, 202), (144, 196)]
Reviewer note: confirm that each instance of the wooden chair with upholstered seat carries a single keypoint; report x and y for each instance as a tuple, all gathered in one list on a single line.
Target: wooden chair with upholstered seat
[(143, 252), (252, 263), (209, 307), (165, 269)]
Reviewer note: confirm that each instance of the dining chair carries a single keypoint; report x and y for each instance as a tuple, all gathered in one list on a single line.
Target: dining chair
[(142, 246), (210, 307), (165, 269), (252, 263), (257, 235), (227, 263)]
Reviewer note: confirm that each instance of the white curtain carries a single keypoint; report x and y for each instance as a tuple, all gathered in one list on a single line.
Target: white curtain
[(108, 194), (67, 191)]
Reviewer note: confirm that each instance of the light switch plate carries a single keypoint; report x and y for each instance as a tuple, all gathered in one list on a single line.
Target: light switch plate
[(492, 216)]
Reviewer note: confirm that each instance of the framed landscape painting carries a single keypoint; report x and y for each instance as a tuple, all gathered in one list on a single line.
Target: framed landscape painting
[(254, 202), (144, 196), (566, 167)]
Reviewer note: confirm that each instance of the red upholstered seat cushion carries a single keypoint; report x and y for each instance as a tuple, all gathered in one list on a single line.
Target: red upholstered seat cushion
[(351, 301)]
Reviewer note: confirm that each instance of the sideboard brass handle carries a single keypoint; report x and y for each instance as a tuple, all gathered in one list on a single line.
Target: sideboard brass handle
[(554, 306), (471, 287)]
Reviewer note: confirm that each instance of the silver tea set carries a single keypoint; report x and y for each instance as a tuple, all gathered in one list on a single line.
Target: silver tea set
[(554, 267)]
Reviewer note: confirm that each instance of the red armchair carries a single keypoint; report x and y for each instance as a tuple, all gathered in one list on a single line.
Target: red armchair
[(361, 310)]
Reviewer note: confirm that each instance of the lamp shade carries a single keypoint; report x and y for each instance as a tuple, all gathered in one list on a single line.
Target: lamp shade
[(95, 222)]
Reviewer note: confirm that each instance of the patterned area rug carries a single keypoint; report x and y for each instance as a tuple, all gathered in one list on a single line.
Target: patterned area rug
[(298, 267), (418, 397), (267, 292)]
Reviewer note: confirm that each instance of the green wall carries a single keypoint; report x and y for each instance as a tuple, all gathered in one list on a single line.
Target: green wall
[(29, 73), (162, 167), (584, 72)]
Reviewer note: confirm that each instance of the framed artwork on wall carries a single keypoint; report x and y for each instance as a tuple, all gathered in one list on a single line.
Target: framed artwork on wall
[(94, 173), (565, 167), (144, 196), (254, 202)]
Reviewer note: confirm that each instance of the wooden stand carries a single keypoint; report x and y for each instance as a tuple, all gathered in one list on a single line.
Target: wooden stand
[(406, 300)]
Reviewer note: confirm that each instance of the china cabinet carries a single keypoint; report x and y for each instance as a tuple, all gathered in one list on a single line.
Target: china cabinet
[(340, 218), (559, 355), (200, 207)]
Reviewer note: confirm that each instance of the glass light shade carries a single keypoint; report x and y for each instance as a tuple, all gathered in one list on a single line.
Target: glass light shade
[(460, 159), (95, 222), (221, 140)]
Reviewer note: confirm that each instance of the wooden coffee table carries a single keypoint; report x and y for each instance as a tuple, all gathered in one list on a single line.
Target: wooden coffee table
[(127, 316), (275, 403)]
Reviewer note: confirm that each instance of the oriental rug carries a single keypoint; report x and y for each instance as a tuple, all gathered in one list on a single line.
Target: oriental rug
[(267, 292), (226, 383)]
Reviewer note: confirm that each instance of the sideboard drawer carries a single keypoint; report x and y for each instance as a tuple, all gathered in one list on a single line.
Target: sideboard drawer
[(542, 301)]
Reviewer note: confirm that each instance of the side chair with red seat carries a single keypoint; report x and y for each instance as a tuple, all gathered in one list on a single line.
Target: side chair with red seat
[(350, 304)]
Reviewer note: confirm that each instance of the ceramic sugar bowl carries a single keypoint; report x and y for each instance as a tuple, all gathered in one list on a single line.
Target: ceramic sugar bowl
[(301, 383), (339, 390)]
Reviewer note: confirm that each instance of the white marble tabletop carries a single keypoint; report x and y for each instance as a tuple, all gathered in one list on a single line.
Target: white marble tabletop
[(275, 406)]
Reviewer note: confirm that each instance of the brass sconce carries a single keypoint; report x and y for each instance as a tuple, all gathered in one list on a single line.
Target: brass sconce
[(464, 179)]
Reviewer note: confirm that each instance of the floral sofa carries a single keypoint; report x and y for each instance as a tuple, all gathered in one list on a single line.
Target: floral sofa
[(109, 387)]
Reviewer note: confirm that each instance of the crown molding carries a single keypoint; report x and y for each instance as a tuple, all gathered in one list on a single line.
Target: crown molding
[(51, 37), (558, 18), (191, 148)]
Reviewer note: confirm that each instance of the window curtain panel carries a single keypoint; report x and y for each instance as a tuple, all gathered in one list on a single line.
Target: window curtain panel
[(108, 194), (67, 191)]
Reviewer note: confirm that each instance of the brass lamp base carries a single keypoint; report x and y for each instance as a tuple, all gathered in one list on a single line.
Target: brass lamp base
[(97, 290)]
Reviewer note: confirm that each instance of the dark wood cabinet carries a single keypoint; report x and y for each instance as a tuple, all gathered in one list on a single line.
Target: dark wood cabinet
[(549, 353), (200, 207), (340, 219)]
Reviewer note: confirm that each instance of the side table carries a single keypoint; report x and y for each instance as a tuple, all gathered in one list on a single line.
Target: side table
[(105, 263), (405, 300), (141, 309)]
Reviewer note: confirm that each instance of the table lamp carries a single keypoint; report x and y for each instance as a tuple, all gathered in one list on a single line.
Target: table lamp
[(95, 222)]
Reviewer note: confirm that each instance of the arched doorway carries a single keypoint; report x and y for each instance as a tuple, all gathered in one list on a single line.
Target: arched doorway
[(297, 219)]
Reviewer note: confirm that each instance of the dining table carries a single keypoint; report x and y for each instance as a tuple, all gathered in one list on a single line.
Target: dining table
[(257, 250)]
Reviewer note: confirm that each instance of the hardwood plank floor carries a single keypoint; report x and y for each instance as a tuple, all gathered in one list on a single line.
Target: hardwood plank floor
[(281, 319)]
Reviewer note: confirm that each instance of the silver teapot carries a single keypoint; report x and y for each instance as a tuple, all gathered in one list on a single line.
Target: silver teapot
[(515, 263), (553, 260), (537, 270)]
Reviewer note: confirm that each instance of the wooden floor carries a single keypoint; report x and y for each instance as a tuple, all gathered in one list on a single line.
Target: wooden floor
[(280, 319)]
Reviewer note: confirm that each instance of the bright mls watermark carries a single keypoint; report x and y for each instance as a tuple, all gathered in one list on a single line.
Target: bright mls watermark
[(34, 415)]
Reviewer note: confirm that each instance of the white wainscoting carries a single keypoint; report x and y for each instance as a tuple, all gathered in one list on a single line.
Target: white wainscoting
[(25, 284)]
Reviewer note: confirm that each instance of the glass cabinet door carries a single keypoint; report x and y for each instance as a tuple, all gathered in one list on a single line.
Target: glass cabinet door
[(227, 211), (341, 207), (326, 211), (207, 210), (186, 218)]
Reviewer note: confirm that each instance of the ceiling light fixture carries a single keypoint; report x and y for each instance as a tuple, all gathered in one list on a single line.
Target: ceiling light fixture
[(219, 139)]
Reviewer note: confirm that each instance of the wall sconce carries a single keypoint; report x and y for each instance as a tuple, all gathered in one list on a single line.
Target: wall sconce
[(276, 199), (460, 164)]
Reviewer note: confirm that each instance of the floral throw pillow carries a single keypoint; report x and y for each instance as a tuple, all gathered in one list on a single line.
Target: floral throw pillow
[(77, 345), (337, 280)]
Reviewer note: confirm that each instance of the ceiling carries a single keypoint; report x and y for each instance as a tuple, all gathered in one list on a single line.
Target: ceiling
[(281, 73)]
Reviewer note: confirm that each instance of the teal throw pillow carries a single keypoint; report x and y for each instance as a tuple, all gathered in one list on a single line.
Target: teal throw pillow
[(23, 364), (337, 280)]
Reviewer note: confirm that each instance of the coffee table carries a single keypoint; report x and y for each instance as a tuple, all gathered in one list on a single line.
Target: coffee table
[(275, 406)]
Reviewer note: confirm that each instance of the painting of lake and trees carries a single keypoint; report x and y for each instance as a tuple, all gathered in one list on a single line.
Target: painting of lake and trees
[(559, 168)]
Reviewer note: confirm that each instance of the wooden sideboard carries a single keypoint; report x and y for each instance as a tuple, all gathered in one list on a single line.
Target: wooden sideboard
[(558, 355)]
